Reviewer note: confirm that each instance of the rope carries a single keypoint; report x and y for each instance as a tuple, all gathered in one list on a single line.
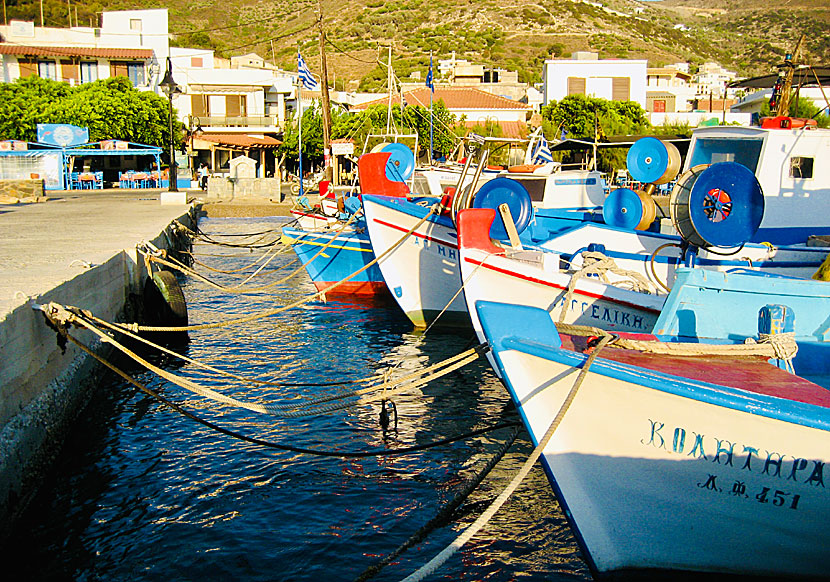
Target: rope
[(445, 515), (156, 256), (280, 446), (485, 517), (596, 263), (436, 209), (785, 344), (63, 318)]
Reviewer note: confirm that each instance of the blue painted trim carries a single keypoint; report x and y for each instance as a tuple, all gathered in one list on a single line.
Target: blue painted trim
[(788, 235), (790, 411)]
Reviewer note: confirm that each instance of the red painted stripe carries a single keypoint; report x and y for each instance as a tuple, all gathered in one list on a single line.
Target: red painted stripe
[(419, 235), (354, 288), (555, 286)]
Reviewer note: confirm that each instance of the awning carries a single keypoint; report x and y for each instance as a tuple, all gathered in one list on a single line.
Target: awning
[(802, 77), (239, 141), (72, 51)]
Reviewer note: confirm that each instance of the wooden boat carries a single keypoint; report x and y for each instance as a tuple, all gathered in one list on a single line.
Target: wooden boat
[(702, 464)]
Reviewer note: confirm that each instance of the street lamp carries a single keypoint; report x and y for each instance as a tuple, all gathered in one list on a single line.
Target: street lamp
[(170, 88)]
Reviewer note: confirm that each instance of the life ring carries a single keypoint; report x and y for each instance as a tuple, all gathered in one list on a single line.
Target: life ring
[(524, 168)]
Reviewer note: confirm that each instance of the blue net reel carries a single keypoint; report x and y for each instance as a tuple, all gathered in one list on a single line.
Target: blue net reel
[(401, 162), (652, 161), (629, 209), (721, 205), (500, 191)]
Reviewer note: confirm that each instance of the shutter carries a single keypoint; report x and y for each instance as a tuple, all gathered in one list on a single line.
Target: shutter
[(576, 86), (70, 72), (119, 70), (199, 105), (28, 67), (620, 89)]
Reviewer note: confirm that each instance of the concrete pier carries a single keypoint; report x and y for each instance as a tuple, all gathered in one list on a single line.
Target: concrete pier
[(77, 248)]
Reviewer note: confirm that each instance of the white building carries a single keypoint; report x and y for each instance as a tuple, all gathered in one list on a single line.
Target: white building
[(130, 43), (586, 74), (668, 90), (711, 79)]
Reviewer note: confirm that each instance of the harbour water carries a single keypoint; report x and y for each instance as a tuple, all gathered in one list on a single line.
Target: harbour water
[(141, 492)]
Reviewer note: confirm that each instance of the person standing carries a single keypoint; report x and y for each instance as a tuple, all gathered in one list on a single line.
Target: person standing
[(203, 177)]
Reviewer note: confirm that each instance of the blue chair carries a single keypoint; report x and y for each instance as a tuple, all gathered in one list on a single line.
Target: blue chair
[(74, 182)]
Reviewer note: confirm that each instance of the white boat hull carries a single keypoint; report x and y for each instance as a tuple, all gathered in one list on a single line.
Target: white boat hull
[(662, 475)]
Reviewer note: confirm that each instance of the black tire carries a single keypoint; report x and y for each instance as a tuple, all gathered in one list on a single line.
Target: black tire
[(173, 309)]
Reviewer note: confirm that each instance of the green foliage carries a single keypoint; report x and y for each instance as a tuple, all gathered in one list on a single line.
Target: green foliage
[(110, 108), (588, 118)]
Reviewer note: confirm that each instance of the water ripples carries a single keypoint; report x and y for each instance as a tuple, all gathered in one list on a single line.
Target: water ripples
[(142, 492)]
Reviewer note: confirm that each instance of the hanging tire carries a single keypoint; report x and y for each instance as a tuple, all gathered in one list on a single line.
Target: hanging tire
[(164, 301)]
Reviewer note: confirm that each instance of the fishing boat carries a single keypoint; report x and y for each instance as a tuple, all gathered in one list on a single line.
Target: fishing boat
[(422, 271), (706, 463)]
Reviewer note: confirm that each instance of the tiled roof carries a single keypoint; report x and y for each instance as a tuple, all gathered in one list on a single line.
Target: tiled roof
[(241, 140), (511, 129), (74, 51), (454, 98)]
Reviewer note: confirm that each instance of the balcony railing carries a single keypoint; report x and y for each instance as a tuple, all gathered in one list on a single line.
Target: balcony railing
[(239, 121)]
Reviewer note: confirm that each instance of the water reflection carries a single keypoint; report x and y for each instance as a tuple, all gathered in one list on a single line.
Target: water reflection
[(142, 492)]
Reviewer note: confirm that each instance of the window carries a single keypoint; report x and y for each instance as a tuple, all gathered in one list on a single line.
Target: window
[(133, 71), (659, 105), (235, 105), (89, 72), (200, 105), (27, 67), (801, 167), (714, 150), (576, 86), (196, 62), (135, 24), (47, 70), (620, 88)]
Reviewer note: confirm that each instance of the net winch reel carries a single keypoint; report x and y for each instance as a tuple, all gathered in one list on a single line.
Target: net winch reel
[(717, 205), (651, 162)]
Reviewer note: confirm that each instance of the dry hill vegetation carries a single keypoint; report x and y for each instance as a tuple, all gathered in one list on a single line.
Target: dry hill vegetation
[(744, 35)]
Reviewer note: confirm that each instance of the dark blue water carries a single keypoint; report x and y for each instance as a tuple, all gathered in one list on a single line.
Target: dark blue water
[(141, 492)]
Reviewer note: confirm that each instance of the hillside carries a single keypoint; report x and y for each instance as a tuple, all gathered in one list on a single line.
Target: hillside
[(501, 33)]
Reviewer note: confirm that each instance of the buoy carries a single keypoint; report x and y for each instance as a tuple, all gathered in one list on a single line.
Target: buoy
[(652, 161), (630, 209), (500, 191), (164, 302), (401, 162), (721, 205)]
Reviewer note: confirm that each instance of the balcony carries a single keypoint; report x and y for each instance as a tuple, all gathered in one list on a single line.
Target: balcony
[(238, 121)]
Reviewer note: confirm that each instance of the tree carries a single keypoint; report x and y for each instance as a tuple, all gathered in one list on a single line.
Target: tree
[(591, 118), (110, 108)]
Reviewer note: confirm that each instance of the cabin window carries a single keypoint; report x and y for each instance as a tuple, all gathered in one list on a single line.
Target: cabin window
[(711, 150), (801, 167)]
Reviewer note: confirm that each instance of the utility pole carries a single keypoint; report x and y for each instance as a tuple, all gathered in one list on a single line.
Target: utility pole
[(324, 82)]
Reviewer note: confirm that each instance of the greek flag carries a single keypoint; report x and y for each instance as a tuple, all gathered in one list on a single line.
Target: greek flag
[(305, 75), (541, 153), (430, 82)]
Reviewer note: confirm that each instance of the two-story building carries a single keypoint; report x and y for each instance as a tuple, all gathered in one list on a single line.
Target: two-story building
[(586, 74)]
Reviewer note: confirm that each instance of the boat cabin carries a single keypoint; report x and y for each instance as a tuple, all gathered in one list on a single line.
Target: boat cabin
[(790, 161)]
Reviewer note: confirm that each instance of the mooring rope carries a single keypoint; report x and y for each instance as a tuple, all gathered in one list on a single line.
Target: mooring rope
[(444, 516), (63, 317), (436, 209), (488, 514), (158, 256), (270, 444)]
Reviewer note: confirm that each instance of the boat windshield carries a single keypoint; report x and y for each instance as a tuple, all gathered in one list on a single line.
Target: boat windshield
[(711, 150)]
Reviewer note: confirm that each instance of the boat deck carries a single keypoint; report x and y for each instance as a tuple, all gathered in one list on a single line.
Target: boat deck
[(753, 374)]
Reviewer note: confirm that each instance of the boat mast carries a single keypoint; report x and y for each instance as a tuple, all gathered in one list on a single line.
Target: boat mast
[(783, 107), (324, 82)]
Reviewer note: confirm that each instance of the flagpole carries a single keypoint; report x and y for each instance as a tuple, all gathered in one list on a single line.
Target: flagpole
[(431, 93), (300, 123)]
